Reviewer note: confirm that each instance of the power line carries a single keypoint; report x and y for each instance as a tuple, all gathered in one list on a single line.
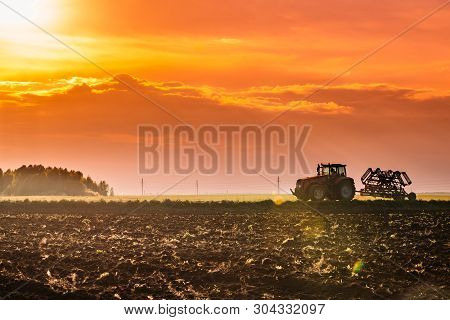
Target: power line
[(278, 185)]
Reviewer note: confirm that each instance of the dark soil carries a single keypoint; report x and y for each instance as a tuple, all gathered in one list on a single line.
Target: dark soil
[(180, 250)]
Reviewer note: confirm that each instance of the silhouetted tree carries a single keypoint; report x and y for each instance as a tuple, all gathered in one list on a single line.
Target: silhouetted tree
[(103, 188), (38, 180)]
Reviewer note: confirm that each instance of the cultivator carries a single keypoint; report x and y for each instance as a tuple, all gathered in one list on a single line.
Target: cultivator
[(386, 184)]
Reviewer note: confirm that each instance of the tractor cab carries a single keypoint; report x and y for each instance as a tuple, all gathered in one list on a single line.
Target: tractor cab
[(330, 169), (331, 183)]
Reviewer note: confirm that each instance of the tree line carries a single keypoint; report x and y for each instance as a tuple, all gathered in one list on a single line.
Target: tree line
[(34, 180)]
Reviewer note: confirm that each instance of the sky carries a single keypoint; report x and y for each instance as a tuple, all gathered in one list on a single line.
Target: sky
[(225, 62)]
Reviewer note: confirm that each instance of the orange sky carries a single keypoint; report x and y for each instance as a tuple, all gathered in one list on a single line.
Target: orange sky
[(225, 62)]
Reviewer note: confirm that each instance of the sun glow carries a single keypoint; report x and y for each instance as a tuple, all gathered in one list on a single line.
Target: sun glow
[(21, 42), (12, 13)]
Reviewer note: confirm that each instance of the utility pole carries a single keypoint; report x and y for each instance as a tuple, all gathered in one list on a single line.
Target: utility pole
[(196, 185), (278, 183), (142, 186)]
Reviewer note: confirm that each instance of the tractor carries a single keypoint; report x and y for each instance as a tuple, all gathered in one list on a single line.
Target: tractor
[(331, 183)]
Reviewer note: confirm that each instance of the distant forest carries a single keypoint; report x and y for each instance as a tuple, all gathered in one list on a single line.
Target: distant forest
[(36, 180)]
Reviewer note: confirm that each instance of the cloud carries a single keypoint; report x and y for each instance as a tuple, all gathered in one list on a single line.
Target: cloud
[(105, 108), (92, 122), (263, 98), (111, 96)]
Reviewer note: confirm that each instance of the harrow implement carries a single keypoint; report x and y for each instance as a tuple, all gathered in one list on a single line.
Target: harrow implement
[(386, 184)]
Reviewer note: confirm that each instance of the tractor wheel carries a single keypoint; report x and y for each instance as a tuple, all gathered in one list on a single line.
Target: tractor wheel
[(346, 191), (303, 197), (412, 196), (317, 192)]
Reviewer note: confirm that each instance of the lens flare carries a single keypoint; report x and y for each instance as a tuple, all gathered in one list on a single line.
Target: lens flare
[(278, 200), (358, 267)]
